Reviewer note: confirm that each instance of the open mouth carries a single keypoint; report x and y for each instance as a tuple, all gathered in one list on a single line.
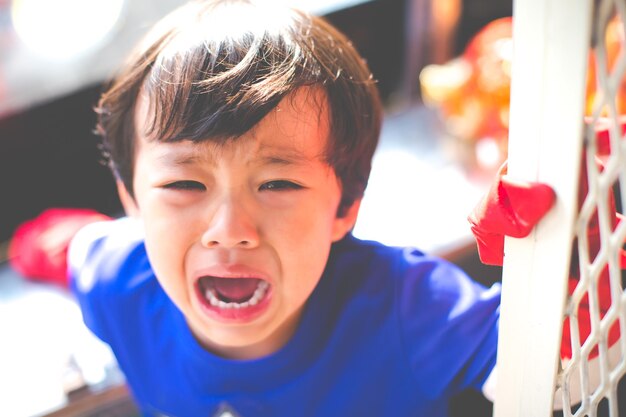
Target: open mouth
[(233, 293)]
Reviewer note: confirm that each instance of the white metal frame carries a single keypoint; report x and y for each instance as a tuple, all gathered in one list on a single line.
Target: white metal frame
[(551, 40)]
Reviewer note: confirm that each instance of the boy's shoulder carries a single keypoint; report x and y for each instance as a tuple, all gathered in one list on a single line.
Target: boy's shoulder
[(372, 258), (351, 248), (412, 276), (103, 252), (110, 274)]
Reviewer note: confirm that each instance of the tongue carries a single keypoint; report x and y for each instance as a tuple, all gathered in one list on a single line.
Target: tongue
[(235, 289)]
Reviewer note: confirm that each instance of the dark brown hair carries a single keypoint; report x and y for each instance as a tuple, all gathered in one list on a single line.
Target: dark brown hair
[(213, 69)]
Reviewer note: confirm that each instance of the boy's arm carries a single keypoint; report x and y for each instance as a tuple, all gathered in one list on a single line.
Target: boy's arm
[(38, 248)]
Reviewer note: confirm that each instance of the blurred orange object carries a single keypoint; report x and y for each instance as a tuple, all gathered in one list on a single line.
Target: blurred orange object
[(472, 92), (613, 43), (38, 249)]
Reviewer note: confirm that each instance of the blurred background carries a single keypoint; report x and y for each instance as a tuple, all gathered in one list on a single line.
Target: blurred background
[(445, 90), (55, 56)]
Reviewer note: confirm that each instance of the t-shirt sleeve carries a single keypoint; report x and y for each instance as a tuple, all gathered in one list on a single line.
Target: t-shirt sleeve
[(449, 325), (97, 257)]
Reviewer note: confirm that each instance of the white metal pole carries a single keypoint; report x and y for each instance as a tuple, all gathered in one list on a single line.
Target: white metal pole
[(551, 44)]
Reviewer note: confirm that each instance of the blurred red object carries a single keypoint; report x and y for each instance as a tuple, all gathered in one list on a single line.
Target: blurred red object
[(38, 248)]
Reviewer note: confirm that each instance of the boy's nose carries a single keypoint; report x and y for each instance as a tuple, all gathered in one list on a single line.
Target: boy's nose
[(230, 226)]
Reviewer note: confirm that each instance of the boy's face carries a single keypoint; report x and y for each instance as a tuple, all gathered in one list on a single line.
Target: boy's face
[(239, 234)]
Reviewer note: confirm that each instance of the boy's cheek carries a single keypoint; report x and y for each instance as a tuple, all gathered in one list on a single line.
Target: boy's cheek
[(166, 241), (168, 218), (300, 228)]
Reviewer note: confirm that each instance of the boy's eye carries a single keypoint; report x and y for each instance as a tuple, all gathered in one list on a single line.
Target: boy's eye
[(279, 185), (185, 186)]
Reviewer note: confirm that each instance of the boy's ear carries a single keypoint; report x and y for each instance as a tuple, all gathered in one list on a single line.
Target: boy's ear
[(128, 202), (346, 222)]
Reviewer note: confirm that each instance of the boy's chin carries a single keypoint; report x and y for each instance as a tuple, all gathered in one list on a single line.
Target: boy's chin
[(239, 344), (232, 339)]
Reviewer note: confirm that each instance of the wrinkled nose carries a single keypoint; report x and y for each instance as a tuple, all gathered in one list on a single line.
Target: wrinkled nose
[(231, 226)]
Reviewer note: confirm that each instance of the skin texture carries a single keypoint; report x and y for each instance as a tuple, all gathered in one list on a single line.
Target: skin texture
[(260, 206)]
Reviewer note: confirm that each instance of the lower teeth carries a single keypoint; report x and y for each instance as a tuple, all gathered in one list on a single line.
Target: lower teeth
[(258, 295)]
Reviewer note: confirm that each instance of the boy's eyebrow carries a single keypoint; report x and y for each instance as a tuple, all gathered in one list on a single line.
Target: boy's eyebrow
[(179, 158), (183, 158), (284, 157)]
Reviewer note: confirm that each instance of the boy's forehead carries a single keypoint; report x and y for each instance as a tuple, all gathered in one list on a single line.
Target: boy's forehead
[(295, 132)]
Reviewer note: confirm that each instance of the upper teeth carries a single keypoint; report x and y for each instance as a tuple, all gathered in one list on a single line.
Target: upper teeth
[(258, 295)]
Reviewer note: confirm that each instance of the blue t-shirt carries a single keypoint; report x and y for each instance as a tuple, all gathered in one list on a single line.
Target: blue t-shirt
[(387, 331)]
